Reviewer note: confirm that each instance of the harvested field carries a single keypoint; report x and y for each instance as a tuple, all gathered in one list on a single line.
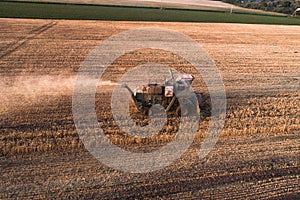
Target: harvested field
[(257, 154)]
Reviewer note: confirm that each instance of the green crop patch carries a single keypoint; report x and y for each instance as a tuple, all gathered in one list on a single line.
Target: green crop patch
[(11, 9)]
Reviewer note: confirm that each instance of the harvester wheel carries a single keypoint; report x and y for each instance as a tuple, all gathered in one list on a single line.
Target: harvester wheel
[(182, 112)]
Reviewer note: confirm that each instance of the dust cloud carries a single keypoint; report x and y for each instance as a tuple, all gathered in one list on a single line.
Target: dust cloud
[(22, 91)]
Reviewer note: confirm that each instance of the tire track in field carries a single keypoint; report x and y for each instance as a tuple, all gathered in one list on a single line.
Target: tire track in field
[(20, 42), (272, 187), (249, 178)]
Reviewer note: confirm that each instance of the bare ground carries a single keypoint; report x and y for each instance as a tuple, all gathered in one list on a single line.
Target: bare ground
[(256, 157)]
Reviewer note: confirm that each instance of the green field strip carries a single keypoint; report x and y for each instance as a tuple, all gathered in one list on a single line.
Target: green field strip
[(47, 10)]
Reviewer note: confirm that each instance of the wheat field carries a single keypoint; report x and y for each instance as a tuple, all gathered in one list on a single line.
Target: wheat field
[(42, 157)]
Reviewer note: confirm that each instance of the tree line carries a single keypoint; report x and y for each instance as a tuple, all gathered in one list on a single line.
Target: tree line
[(281, 6)]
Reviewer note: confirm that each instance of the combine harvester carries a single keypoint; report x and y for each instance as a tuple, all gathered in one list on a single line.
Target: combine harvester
[(169, 95)]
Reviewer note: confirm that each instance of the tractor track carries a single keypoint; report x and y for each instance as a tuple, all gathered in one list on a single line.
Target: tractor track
[(283, 186), (22, 40), (275, 184)]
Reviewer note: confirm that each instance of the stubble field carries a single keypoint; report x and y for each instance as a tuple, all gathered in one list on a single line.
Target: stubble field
[(257, 154)]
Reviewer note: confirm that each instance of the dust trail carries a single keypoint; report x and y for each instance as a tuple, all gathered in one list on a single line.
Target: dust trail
[(23, 91)]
